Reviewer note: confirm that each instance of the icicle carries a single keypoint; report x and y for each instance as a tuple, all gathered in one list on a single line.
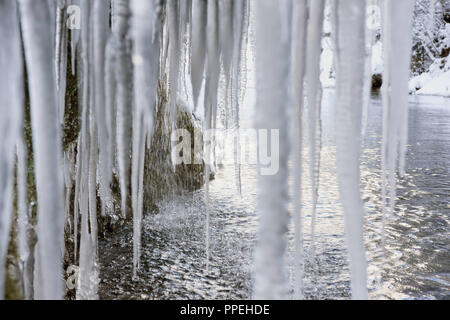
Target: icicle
[(123, 97), (385, 102), (93, 258), (88, 256), (185, 16), (272, 67), (174, 57), (74, 33), (53, 7), (44, 115), (349, 97), (85, 285), (110, 101), (212, 84), (226, 35), (239, 29), (102, 113), (185, 39), (88, 274), (145, 59), (243, 58), (63, 75), (401, 57), (60, 14), (11, 104), (314, 45), (76, 200), (299, 25), (368, 76), (397, 53), (137, 180), (199, 20)]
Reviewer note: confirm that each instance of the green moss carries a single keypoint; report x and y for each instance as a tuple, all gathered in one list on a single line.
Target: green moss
[(71, 126), (160, 178)]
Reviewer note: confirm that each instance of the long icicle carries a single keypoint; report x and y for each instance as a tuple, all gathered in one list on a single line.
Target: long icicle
[(314, 45), (349, 98), (272, 67), (212, 83), (100, 28), (199, 18), (174, 57), (88, 272), (239, 8), (299, 23), (123, 98), (145, 62), (368, 74), (11, 105), (45, 125)]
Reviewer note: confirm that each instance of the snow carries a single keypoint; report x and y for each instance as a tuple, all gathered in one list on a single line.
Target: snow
[(434, 82)]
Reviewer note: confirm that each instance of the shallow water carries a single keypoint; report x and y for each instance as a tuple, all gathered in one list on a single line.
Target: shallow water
[(416, 264)]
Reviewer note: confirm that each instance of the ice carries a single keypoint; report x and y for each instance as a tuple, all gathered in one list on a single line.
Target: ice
[(11, 104), (313, 95), (38, 45), (299, 24), (199, 18), (123, 97), (272, 71), (350, 62)]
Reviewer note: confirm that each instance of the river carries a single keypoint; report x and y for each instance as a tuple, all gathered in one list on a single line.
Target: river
[(416, 263)]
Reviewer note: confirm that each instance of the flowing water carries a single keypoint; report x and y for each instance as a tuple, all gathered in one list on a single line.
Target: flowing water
[(416, 263)]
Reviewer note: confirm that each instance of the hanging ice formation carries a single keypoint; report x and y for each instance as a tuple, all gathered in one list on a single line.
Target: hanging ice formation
[(350, 54), (119, 53), (314, 98), (38, 45), (396, 36), (238, 73), (298, 60), (11, 101), (198, 31), (145, 33), (123, 77), (272, 71), (397, 54)]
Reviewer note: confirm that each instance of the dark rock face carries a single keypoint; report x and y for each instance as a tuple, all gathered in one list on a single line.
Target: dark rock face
[(377, 81), (447, 17)]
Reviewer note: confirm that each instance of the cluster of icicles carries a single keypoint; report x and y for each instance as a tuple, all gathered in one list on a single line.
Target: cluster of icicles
[(120, 52)]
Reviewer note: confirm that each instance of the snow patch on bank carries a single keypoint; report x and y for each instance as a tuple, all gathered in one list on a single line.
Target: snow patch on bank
[(434, 82)]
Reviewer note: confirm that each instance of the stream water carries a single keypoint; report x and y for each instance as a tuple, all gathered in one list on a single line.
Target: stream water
[(416, 264)]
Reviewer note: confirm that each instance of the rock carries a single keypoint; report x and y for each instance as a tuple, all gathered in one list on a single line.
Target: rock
[(377, 81)]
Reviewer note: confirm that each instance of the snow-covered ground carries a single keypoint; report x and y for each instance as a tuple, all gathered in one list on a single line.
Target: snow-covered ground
[(434, 82)]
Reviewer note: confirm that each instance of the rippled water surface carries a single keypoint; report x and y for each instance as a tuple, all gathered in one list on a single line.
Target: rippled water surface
[(416, 263)]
